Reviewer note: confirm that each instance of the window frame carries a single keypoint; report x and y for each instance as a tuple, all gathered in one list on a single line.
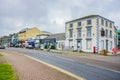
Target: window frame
[(88, 44), (110, 25), (111, 45), (70, 33), (106, 23), (79, 32), (79, 23), (106, 33), (89, 29), (71, 25), (89, 22), (110, 33), (102, 32), (102, 22)]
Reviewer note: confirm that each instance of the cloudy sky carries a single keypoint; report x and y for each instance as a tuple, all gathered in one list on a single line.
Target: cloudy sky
[(51, 15)]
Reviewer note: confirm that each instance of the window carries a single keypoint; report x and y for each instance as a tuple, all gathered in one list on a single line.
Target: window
[(106, 24), (79, 32), (88, 44), (79, 43), (71, 33), (89, 32), (79, 23), (71, 25), (88, 22), (102, 44), (102, 21), (110, 25), (106, 33), (110, 45), (110, 34), (70, 44), (102, 32)]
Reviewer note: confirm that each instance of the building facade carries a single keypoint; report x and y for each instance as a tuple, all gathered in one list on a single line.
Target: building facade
[(14, 39), (27, 33), (5, 40), (60, 40), (57, 41), (89, 33), (118, 38)]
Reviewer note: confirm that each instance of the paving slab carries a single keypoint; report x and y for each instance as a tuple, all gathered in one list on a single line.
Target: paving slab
[(28, 69)]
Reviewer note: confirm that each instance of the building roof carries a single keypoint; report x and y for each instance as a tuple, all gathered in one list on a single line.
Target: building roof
[(5, 37), (86, 17), (43, 35), (26, 29), (59, 36), (23, 30), (46, 32)]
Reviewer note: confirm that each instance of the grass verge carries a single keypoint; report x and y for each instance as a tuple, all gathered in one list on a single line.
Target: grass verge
[(6, 72), (1, 54)]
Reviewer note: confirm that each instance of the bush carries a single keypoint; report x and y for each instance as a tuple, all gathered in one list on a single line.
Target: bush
[(103, 52)]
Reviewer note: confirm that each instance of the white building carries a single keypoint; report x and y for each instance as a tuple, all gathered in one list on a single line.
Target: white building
[(90, 31)]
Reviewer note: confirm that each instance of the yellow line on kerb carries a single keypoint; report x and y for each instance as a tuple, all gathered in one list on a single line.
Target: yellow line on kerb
[(59, 69)]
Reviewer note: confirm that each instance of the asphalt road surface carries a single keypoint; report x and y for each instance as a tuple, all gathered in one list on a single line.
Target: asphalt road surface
[(81, 69)]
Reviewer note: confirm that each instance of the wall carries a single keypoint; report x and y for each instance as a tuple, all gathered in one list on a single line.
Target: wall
[(83, 34)]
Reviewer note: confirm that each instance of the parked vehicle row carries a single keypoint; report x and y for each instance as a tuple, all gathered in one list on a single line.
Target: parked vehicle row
[(2, 46)]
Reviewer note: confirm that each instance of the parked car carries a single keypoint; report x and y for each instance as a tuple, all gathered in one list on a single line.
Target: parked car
[(29, 47), (17, 45), (2, 47)]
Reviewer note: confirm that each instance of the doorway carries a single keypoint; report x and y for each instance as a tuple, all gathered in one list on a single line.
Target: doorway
[(79, 44)]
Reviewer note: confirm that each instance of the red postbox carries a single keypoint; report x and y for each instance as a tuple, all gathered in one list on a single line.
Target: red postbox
[(94, 49)]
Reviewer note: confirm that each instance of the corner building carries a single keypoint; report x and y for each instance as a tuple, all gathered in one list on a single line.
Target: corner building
[(89, 32)]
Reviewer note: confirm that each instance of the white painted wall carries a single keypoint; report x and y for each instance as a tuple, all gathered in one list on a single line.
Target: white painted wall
[(95, 24)]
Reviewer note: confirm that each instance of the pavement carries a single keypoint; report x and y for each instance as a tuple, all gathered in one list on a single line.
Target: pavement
[(94, 56), (71, 52), (29, 69)]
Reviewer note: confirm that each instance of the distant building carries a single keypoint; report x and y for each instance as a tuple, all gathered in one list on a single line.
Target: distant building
[(27, 33), (59, 40), (90, 32), (46, 33), (118, 40), (5, 40), (38, 40), (14, 39)]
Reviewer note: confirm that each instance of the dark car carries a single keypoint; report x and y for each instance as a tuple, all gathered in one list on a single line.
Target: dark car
[(17, 45), (2, 47)]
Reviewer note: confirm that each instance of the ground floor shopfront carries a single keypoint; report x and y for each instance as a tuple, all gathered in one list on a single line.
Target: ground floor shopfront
[(91, 44)]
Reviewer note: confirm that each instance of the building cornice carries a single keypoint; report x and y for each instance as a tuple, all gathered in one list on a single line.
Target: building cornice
[(89, 16)]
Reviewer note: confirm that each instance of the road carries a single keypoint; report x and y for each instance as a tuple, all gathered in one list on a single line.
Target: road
[(81, 69)]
